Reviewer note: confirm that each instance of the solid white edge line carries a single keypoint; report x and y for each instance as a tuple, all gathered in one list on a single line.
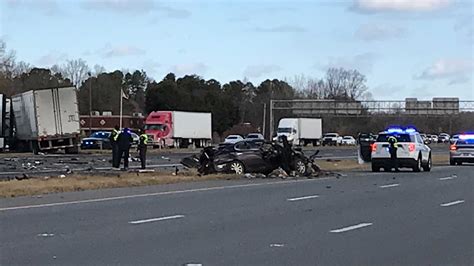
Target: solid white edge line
[(303, 198), (452, 203), (156, 219), (156, 194), (446, 178), (390, 185), (349, 228)]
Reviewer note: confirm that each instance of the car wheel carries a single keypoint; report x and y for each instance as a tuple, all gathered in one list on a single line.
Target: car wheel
[(375, 168), (459, 162), (237, 168), (417, 167), (452, 162), (428, 165), (300, 167), (387, 169)]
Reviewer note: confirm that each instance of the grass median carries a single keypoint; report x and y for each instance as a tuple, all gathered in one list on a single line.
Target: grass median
[(80, 182)]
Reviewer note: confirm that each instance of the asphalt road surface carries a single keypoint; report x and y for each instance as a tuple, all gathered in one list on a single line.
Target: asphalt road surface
[(360, 219)]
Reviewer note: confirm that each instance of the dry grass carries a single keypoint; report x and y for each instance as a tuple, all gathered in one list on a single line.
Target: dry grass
[(38, 186)]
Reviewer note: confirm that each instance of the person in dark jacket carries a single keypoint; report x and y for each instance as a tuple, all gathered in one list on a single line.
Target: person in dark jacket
[(115, 150), (286, 155), (393, 147), (124, 142), (142, 147)]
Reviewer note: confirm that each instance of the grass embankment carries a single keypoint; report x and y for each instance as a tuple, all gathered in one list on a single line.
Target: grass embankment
[(41, 185)]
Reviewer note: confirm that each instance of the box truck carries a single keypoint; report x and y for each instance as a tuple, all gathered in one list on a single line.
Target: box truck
[(300, 131), (47, 119), (178, 129)]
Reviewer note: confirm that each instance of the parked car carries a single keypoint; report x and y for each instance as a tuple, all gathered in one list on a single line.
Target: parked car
[(454, 138), (434, 139), (253, 136), (332, 139), (348, 140), (426, 139), (97, 140), (443, 138), (233, 139)]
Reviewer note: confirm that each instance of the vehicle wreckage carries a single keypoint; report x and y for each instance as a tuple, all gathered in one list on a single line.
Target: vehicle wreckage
[(253, 157)]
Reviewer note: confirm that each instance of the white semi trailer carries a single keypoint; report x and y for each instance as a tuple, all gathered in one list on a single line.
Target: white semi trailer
[(47, 119), (301, 131)]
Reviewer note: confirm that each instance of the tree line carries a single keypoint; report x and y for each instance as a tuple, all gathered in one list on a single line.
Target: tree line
[(231, 103)]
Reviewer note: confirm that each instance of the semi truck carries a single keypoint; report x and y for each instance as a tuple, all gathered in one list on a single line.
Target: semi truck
[(47, 120), (300, 131), (178, 129)]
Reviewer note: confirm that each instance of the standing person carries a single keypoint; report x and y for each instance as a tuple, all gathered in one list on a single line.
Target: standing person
[(142, 147), (393, 147), (115, 150), (124, 143), (286, 155)]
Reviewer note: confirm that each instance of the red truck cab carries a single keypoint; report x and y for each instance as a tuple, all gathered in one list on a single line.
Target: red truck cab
[(158, 127)]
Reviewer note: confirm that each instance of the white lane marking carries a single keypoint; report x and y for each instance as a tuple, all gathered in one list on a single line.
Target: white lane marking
[(452, 203), (303, 198), (390, 185), (446, 178), (277, 245), (352, 227), (155, 194), (156, 219)]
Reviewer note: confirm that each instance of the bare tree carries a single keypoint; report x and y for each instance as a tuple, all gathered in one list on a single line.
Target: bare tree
[(7, 60), (21, 67), (98, 69), (75, 70)]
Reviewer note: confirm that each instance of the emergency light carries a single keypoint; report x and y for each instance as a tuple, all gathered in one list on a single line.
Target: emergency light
[(466, 136), (399, 130)]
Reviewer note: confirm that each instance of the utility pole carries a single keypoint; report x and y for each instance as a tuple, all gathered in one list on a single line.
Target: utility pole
[(271, 119), (90, 102), (264, 118)]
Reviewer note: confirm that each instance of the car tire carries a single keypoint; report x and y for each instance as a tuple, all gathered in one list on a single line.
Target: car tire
[(427, 167), (452, 162), (237, 168), (375, 168), (459, 162), (387, 169), (417, 167), (300, 167)]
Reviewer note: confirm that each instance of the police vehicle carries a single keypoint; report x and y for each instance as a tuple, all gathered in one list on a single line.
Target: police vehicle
[(412, 152), (462, 151)]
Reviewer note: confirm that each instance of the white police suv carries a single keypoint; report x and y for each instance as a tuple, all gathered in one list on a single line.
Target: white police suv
[(412, 152)]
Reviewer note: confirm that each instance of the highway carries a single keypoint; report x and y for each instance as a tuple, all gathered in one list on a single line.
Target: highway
[(358, 219)]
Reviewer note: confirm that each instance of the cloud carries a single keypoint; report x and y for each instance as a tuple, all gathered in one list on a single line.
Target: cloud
[(281, 29), (465, 26), (121, 50), (375, 6), (379, 32), (361, 62), (52, 58), (255, 71), (47, 7), (454, 69), (189, 69), (136, 7)]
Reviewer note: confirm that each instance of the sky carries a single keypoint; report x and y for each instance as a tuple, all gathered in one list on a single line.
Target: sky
[(405, 48)]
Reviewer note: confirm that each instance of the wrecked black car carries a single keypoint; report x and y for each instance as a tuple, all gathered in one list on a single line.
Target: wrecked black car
[(249, 157)]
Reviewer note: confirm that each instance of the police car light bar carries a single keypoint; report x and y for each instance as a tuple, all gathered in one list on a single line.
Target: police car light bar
[(466, 136), (400, 130)]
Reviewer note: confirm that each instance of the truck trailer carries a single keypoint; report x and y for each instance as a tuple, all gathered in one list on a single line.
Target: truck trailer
[(6, 121), (300, 131), (178, 129), (47, 119)]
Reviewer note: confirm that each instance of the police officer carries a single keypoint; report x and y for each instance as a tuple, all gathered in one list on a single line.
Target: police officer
[(115, 150), (393, 147), (124, 142), (142, 147)]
